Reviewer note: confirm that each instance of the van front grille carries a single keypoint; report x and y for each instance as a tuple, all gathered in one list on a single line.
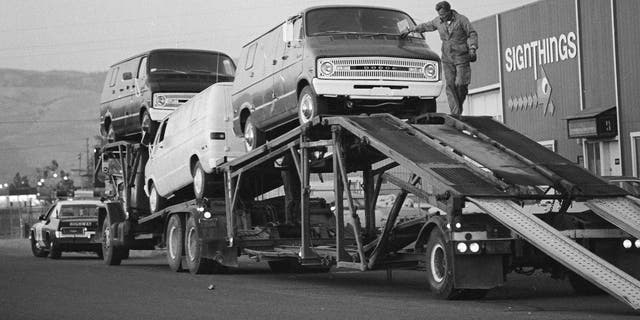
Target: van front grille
[(378, 68)]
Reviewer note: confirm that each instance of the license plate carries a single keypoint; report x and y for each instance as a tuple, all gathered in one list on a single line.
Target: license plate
[(72, 231)]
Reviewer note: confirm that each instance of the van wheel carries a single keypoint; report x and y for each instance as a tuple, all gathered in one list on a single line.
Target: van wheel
[(111, 134), (156, 201), (310, 105), (175, 242), (253, 137), (196, 263), (148, 128), (201, 183)]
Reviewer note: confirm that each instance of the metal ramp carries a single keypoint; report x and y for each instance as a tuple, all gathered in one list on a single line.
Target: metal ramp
[(564, 250), (620, 211)]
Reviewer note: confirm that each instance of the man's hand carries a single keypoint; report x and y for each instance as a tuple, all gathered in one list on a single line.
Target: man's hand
[(405, 33), (473, 57)]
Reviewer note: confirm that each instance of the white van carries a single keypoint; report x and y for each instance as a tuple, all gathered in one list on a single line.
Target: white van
[(190, 142)]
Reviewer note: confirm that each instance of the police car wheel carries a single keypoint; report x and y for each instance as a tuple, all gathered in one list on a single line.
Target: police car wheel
[(54, 252), (36, 249)]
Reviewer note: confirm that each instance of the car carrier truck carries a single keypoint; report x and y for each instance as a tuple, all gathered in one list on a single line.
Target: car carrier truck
[(485, 184)]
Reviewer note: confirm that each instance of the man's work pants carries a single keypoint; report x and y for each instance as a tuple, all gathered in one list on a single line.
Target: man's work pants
[(457, 78)]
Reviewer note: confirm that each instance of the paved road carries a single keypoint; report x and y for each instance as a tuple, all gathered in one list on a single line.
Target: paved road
[(79, 286)]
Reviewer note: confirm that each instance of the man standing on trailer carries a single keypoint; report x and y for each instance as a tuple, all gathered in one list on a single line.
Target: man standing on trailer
[(459, 45)]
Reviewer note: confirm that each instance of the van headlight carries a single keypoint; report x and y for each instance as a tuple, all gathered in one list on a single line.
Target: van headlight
[(159, 101), (430, 71), (326, 68)]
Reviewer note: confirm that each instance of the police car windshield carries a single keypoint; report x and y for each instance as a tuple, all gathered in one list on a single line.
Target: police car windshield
[(366, 21), (191, 62), (78, 211)]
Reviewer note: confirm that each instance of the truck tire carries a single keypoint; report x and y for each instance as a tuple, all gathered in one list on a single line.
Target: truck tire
[(111, 255), (175, 242), (156, 201), (201, 182), (195, 262), (440, 267), (54, 250), (253, 137), (38, 252), (310, 105)]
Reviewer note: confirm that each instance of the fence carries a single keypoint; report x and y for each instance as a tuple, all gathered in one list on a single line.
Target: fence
[(15, 222)]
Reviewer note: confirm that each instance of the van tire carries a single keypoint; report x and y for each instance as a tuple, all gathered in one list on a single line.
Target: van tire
[(201, 182), (156, 201), (111, 134), (310, 105), (175, 242), (148, 128), (253, 137)]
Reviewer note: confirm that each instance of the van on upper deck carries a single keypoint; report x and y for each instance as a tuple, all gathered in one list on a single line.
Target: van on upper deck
[(332, 60), (140, 91)]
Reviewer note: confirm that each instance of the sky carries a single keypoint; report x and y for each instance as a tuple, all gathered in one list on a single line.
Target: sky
[(90, 35)]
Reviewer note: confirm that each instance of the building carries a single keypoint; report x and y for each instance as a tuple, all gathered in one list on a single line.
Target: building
[(565, 73)]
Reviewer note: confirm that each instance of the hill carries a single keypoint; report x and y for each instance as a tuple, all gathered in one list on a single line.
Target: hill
[(46, 116)]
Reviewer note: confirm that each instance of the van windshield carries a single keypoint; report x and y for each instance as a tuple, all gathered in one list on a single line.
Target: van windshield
[(356, 21), (191, 62)]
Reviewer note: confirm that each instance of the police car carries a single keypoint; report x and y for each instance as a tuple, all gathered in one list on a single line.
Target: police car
[(69, 225)]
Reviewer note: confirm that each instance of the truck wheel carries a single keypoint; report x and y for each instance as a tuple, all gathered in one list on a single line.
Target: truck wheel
[(111, 255), (54, 252), (175, 242), (310, 105), (38, 252), (195, 262), (440, 267), (201, 183), (156, 201), (253, 137), (583, 286)]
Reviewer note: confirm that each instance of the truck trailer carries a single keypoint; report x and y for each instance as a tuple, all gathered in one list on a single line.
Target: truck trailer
[(499, 202)]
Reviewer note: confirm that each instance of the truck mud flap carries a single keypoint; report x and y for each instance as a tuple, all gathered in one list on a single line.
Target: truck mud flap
[(564, 250)]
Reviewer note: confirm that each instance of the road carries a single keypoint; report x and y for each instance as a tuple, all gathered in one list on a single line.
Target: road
[(80, 286)]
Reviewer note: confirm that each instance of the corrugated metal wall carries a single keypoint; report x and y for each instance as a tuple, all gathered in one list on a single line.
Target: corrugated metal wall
[(596, 44), (485, 72), (524, 25), (628, 49)]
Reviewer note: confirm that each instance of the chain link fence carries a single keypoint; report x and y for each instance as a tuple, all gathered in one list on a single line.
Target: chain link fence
[(15, 222)]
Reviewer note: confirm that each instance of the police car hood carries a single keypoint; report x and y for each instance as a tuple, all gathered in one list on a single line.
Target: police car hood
[(352, 45)]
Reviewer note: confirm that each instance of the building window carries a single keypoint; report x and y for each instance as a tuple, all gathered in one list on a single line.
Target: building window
[(635, 152), (549, 144)]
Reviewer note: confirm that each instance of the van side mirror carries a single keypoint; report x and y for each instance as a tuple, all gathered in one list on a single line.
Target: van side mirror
[(127, 76), (287, 31), (41, 217)]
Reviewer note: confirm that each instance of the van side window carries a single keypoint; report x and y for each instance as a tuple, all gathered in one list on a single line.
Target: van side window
[(114, 76), (142, 69), (251, 54), (297, 29)]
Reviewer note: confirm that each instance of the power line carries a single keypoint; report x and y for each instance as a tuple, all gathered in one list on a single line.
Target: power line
[(47, 121)]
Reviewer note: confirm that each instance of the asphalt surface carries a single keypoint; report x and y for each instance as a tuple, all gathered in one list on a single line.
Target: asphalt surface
[(80, 286)]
